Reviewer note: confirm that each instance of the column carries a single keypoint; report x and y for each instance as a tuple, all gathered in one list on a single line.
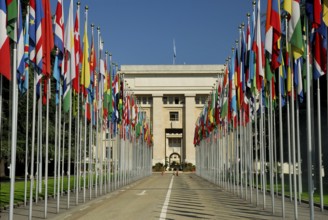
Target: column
[(158, 130), (189, 128)]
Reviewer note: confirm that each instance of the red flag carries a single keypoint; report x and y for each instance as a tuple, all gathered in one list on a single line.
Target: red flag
[(77, 47), (4, 42)]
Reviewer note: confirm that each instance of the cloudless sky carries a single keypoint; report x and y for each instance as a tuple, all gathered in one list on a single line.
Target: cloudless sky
[(142, 31)]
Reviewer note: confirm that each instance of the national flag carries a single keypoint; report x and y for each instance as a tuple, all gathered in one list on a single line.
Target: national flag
[(325, 11), (273, 32), (102, 74), (295, 36), (320, 51), (59, 43), (59, 27), (35, 33), (20, 46), (257, 48), (313, 11), (232, 89), (77, 47), (48, 40), (23, 83), (4, 42), (69, 69), (298, 81), (12, 16), (85, 78), (288, 6), (225, 95)]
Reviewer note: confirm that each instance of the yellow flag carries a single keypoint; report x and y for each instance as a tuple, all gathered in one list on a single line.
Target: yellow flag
[(85, 78), (325, 11), (288, 6)]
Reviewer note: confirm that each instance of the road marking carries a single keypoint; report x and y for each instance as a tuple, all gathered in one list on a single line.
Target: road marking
[(67, 216), (166, 202), (142, 193), (85, 207)]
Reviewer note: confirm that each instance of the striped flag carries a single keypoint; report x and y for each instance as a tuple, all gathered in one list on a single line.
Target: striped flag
[(20, 46), (295, 30), (12, 16), (23, 85), (320, 51), (59, 43), (4, 42), (77, 47), (35, 33), (257, 48), (85, 78), (325, 11), (69, 68)]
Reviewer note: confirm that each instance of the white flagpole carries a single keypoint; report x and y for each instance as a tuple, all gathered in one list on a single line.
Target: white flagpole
[(77, 164), (32, 150), (58, 108), (13, 131), (26, 142), (320, 146), (47, 152), (309, 123), (281, 149)]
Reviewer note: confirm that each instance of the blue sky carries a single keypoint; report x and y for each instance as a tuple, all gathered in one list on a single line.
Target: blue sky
[(142, 31)]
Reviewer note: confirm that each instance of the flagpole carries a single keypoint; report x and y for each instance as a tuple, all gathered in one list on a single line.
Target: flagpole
[(288, 122), (281, 148), (13, 131), (33, 144), (97, 113), (85, 125), (309, 124), (47, 152), (26, 141), (78, 141), (320, 145), (58, 108), (298, 151)]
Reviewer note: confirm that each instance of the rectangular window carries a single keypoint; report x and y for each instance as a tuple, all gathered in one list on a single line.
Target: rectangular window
[(174, 116), (164, 100), (174, 142)]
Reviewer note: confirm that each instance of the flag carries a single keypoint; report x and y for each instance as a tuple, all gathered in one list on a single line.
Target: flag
[(20, 46), (257, 48), (69, 69), (59, 43), (295, 30), (325, 12), (85, 78), (224, 104), (77, 47), (298, 81), (102, 74), (313, 11), (12, 16), (4, 42), (35, 33), (48, 40), (59, 27), (320, 51), (288, 6), (23, 83)]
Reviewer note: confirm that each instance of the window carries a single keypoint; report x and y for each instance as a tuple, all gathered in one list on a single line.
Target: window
[(200, 99), (164, 100), (174, 116), (144, 100), (174, 142)]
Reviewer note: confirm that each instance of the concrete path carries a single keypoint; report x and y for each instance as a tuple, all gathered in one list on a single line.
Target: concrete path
[(186, 196)]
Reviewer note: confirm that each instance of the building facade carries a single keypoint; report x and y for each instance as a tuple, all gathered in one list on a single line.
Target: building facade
[(172, 96)]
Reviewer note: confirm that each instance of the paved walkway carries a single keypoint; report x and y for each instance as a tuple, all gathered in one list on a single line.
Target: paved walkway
[(186, 196)]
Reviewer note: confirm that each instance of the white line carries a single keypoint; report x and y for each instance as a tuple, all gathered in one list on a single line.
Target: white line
[(166, 202), (67, 216), (85, 207), (142, 193)]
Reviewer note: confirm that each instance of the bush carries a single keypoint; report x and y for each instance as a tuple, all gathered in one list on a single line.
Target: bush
[(158, 167)]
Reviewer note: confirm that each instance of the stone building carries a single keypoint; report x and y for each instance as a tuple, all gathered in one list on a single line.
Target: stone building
[(172, 96)]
